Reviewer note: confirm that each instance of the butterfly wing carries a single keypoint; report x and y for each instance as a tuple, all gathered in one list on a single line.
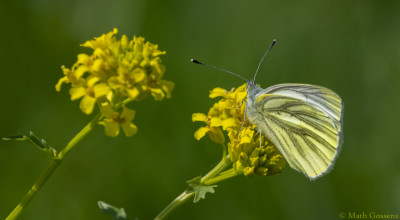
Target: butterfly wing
[(305, 124)]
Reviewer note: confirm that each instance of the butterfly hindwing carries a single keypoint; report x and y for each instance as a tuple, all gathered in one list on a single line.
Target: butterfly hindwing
[(304, 123)]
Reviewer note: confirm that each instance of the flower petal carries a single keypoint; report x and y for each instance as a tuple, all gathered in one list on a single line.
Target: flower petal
[(77, 92), (217, 92), (128, 114), (124, 42), (98, 65), (91, 81), (111, 128), (201, 132), (138, 75), (156, 63), (87, 104), (229, 123), (215, 122), (216, 135), (82, 69), (199, 117), (129, 129), (114, 83), (246, 135), (133, 93), (83, 58), (60, 82), (167, 86), (157, 93), (107, 111), (100, 89)]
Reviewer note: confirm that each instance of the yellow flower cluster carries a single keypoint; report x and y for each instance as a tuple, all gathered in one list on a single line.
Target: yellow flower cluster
[(117, 72), (244, 148)]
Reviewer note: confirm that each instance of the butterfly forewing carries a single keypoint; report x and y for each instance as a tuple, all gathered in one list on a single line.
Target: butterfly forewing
[(304, 122), (320, 97)]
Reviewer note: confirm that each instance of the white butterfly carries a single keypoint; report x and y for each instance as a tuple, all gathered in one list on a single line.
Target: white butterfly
[(303, 121)]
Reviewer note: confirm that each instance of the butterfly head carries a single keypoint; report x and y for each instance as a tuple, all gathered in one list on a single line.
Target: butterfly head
[(251, 84), (252, 90)]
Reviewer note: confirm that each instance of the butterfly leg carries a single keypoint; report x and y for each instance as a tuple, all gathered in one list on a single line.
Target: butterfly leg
[(259, 132)]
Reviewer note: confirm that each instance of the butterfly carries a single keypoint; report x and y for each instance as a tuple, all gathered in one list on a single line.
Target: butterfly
[(303, 121)]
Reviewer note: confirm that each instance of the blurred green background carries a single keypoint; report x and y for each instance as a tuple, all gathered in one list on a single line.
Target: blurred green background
[(352, 47)]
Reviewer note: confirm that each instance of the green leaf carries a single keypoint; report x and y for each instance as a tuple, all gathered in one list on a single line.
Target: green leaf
[(199, 189), (200, 192), (116, 213), (33, 139)]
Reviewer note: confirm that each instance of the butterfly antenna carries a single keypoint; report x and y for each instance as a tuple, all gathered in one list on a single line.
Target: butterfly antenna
[(204, 64), (272, 44)]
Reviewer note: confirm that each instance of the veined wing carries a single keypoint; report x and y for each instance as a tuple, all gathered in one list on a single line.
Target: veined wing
[(320, 97), (304, 126)]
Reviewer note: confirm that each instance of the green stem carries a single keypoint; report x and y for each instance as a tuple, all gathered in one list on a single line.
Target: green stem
[(226, 175), (51, 168), (78, 137), (216, 175), (32, 192), (224, 151), (222, 165), (178, 201)]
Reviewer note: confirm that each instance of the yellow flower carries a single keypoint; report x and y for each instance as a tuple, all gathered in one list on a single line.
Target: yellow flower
[(90, 93), (117, 72), (213, 131), (244, 148), (131, 69), (115, 120)]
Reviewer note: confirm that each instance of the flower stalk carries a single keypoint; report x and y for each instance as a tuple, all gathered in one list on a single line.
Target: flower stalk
[(52, 167), (178, 201), (217, 174)]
